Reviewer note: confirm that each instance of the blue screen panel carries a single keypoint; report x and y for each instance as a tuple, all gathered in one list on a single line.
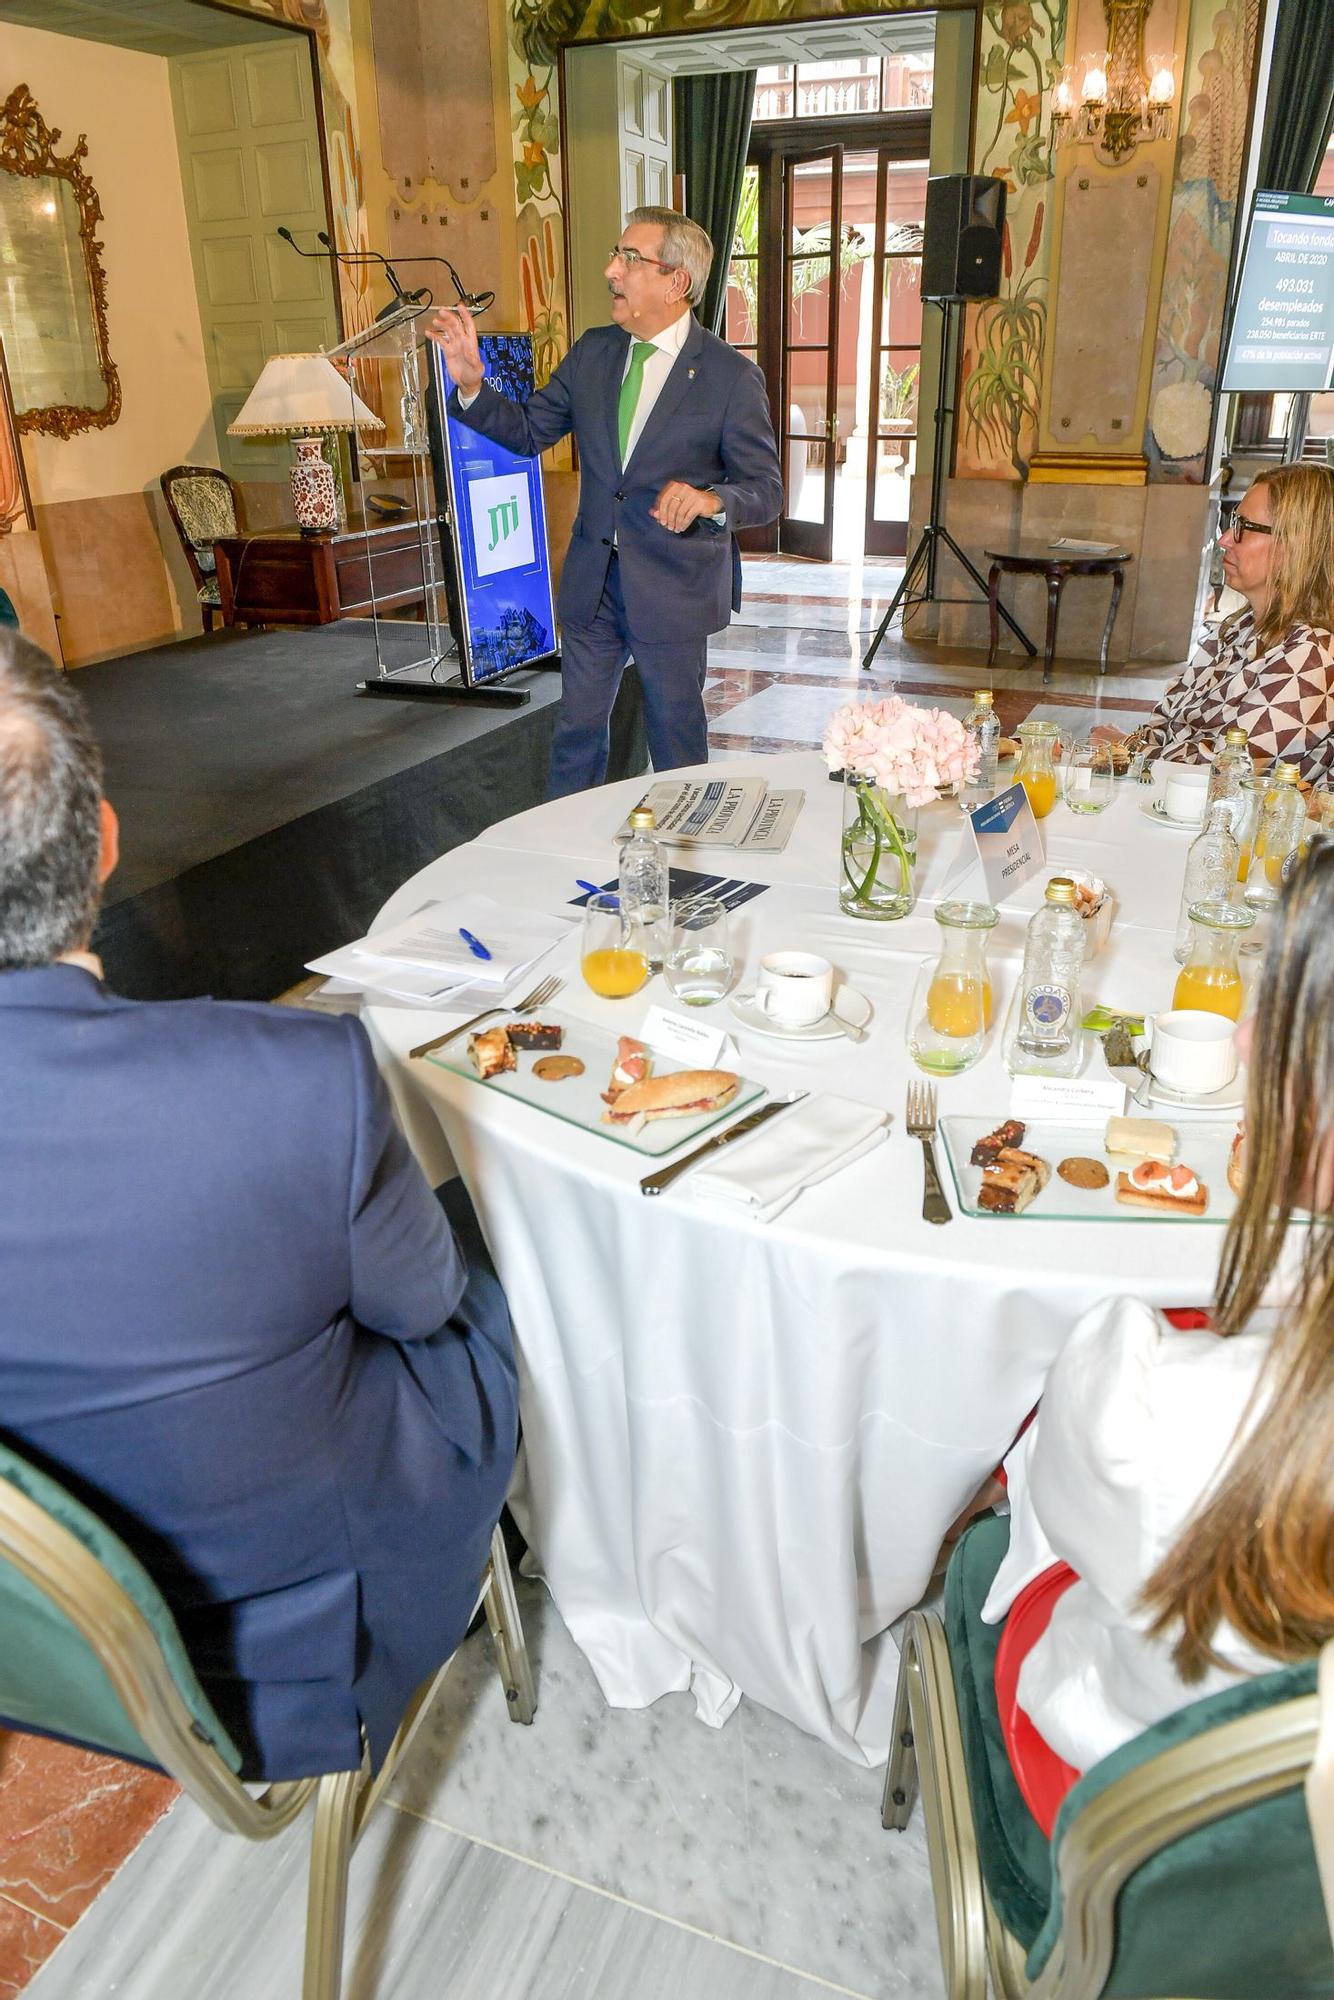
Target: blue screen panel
[(500, 528)]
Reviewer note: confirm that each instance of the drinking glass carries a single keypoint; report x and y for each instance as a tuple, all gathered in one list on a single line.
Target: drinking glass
[(1088, 778), (698, 966), (946, 1025), (611, 962)]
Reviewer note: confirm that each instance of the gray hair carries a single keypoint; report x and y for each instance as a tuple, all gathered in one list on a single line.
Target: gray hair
[(50, 810), (684, 244)]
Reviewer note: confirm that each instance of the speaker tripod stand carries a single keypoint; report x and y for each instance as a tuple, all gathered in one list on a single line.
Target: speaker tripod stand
[(922, 561)]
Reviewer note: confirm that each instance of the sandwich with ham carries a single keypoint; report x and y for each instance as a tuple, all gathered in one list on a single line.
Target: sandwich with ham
[(685, 1095)]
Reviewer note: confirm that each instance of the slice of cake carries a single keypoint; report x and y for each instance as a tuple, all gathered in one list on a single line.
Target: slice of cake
[(992, 1144), (1012, 1181), (492, 1053)]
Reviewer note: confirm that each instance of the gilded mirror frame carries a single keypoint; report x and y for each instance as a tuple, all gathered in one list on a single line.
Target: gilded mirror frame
[(28, 146)]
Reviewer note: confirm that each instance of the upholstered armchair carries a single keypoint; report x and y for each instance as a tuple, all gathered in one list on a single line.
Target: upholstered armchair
[(202, 504)]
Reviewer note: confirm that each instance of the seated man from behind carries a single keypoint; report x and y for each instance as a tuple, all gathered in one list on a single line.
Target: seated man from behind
[(232, 1316)]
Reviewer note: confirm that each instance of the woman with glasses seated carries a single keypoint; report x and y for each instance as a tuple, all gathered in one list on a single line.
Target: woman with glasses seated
[(1186, 1477), (1270, 668)]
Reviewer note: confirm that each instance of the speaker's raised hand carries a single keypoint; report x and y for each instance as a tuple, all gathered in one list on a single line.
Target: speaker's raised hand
[(453, 330)]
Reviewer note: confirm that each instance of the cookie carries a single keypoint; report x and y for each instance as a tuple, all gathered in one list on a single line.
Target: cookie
[(554, 1069), (1083, 1173)]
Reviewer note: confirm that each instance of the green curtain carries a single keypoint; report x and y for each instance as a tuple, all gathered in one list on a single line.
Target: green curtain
[(712, 134), (1300, 103)]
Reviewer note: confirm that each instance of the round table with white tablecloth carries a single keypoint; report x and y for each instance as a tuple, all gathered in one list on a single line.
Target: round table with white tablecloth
[(743, 1441)]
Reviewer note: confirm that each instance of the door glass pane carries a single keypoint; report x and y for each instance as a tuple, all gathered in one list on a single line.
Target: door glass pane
[(901, 314), (741, 280), (773, 91), (908, 80), (807, 404), (838, 89), (900, 383), (808, 300), (895, 463), (805, 479)]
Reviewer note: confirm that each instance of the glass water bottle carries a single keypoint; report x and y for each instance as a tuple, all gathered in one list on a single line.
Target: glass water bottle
[(1211, 870), (1282, 821), (1045, 1037), (983, 726), (643, 887), (1232, 766), (1211, 980)]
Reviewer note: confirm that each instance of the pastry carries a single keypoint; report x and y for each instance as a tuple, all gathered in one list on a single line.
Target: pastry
[(1169, 1189), (554, 1069), (985, 1151), (534, 1035), (1012, 1181), (684, 1095), (1140, 1139), (1236, 1160), (1082, 1173), (491, 1053), (631, 1066)]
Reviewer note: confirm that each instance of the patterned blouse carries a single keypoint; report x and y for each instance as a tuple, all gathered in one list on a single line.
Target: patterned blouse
[(1284, 698)]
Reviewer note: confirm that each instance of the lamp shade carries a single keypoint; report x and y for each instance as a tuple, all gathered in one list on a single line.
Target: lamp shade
[(301, 392)]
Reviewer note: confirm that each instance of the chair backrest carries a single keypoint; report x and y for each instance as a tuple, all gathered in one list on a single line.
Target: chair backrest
[(1320, 1785), (88, 1648), (1183, 1862), (202, 503)]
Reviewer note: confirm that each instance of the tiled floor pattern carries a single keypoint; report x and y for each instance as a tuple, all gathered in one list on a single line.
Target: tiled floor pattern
[(603, 1853)]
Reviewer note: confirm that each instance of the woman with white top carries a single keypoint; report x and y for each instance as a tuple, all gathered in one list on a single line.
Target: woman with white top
[(1187, 1478)]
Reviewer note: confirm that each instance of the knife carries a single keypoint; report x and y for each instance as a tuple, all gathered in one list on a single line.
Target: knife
[(655, 1183)]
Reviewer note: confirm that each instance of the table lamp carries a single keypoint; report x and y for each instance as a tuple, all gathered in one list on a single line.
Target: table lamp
[(302, 396)]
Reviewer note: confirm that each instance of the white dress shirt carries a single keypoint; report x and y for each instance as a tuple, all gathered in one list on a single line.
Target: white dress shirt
[(1136, 1422), (666, 346)]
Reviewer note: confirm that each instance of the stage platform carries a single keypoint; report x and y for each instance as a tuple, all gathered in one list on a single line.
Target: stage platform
[(267, 810)]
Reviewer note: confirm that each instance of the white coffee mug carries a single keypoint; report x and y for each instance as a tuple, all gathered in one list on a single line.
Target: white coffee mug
[(1182, 789), (794, 988), (1192, 1050)]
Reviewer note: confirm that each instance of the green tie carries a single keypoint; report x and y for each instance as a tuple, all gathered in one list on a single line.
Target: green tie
[(640, 351)]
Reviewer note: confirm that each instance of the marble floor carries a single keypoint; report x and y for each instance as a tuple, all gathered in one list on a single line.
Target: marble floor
[(601, 1854)]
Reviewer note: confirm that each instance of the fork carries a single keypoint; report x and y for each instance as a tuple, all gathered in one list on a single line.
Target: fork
[(546, 989), (922, 1125)]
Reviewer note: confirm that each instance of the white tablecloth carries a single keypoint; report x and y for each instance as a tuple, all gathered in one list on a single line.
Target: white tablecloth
[(744, 1442)]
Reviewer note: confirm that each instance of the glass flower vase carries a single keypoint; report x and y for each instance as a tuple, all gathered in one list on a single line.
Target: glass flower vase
[(878, 876)]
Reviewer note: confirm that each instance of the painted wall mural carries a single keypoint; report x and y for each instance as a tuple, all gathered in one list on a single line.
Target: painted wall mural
[(533, 41), (1210, 160), (1022, 48)]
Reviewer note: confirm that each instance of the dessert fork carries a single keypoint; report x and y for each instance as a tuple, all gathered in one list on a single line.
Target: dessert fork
[(546, 989), (922, 1125)]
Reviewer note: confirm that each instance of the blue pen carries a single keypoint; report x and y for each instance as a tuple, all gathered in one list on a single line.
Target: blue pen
[(475, 945), (591, 887)]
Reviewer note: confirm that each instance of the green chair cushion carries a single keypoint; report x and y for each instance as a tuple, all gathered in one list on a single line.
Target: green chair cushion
[(50, 1677), (1231, 1912), (1012, 1848)]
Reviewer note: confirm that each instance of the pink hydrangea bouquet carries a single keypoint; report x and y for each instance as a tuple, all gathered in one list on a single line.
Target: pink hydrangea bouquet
[(896, 757)]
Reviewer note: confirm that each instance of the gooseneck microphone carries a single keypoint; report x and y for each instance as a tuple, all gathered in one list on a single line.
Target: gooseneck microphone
[(476, 302)]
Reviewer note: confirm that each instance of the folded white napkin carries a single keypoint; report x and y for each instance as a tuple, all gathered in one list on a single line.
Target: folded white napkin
[(761, 1175)]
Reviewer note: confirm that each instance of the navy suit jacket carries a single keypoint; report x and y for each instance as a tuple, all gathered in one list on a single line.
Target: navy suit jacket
[(234, 1320), (710, 426)]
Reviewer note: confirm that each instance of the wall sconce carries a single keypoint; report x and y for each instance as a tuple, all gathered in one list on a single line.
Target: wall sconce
[(1113, 99)]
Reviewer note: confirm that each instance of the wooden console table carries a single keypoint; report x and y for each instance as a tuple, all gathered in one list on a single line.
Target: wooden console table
[(285, 577), (1055, 565)]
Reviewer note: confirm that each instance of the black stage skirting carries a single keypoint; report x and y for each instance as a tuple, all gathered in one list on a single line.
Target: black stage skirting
[(267, 811)]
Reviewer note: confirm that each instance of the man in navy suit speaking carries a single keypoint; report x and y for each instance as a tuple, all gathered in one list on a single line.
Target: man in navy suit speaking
[(232, 1316), (676, 451)]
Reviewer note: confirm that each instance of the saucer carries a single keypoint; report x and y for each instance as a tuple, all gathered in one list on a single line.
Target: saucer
[(850, 1006), (1230, 1098), (1153, 809)]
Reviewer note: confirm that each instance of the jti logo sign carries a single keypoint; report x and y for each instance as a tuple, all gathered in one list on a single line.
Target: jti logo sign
[(504, 521)]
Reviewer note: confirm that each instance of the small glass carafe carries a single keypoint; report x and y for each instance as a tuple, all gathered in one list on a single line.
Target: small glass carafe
[(951, 1009), (1211, 979), (1281, 829), (1037, 764)]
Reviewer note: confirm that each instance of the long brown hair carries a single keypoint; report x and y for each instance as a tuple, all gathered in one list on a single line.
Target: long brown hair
[(1301, 569), (1259, 1553)]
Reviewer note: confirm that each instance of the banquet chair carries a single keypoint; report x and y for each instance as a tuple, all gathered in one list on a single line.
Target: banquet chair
[(1180, 1865), (92, 1655), (1320, 1784), (202, 504)]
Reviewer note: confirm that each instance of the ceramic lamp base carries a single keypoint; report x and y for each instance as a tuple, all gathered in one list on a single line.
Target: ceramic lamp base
[(314, 490)]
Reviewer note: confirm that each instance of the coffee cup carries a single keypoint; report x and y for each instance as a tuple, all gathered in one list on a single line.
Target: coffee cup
[(1182, 789), (794, 988), (1192, 1051)]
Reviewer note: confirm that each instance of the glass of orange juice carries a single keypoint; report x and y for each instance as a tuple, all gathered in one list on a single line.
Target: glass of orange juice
[(612, 961), (1036, 771), (1210, 981), (952, 1001)]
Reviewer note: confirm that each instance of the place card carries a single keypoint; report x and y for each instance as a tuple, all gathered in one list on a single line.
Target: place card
[(1009, 842), (693, 1042), (1076, 1100)]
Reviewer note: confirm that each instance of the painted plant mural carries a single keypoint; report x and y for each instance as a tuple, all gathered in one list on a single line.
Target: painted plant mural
[(1022, 50)]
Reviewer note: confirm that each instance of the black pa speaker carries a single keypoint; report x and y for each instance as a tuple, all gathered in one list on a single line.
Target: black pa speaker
[(961, 245)]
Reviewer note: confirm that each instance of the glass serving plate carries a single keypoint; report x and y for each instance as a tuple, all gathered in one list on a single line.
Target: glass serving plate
[(577, 1100), (1202, 1145)]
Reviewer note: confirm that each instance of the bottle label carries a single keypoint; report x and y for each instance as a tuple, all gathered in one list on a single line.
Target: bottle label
[(1047, 1007)]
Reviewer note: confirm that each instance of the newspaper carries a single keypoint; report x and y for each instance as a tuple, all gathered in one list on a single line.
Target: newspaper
[(722, 812)]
